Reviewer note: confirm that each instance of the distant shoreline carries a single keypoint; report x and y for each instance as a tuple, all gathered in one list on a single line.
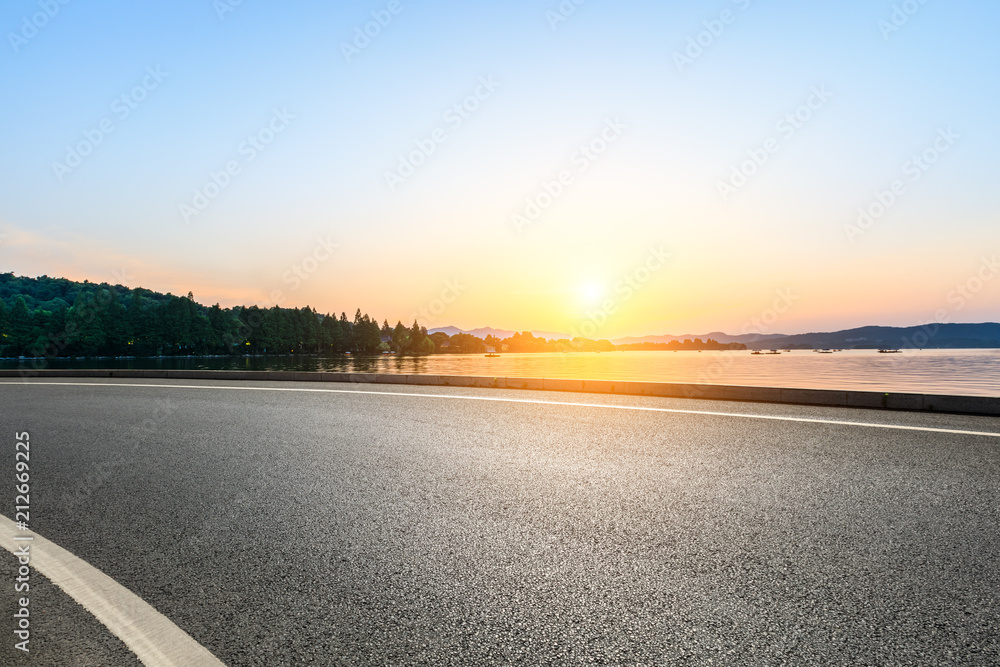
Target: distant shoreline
[(313, 355)]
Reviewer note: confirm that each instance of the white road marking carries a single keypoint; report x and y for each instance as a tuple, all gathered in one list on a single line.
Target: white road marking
[(804, 420), (149, 634)]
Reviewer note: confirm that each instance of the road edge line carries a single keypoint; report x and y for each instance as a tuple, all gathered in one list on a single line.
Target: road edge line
[(153, 637)]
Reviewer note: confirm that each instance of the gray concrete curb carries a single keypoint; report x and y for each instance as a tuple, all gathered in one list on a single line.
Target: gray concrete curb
[(971, 405)]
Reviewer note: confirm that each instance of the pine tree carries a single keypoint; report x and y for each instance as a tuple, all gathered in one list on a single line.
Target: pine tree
[(84, 326), (20, 327), (400, 338), (4, 326)]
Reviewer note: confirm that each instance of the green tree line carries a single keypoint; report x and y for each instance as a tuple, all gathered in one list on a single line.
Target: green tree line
[(55, 317)]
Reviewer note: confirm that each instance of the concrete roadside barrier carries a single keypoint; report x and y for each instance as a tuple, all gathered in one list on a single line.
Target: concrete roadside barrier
[(959, 404), (764, 394), (558, 384), (814, 397), (903, 401), (971, 405), (423, 379), (524, 383), (599, 386)]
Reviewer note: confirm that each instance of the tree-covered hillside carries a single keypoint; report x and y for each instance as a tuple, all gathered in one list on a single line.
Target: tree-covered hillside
[(55, 317)]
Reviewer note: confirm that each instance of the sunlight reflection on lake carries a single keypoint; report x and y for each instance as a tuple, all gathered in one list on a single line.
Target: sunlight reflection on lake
[(967, 372)]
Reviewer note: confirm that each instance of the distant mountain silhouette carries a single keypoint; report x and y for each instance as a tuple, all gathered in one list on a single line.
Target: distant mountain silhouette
[(932, 335), (925, 336), (483, 332), (451, 331)]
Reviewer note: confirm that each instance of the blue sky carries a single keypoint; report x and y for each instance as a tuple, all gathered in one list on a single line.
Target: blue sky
[(226, 72)]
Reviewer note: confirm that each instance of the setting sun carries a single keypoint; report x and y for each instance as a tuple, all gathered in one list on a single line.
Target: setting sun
[(591, 292)]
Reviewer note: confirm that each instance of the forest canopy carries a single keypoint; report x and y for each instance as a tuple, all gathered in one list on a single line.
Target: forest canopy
[(57, 317)]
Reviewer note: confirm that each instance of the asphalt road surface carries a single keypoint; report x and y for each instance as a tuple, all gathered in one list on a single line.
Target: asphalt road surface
[(307, 524)]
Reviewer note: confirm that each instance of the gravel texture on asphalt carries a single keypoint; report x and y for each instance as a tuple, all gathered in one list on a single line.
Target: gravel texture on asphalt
[(333, 528), (62, 632)]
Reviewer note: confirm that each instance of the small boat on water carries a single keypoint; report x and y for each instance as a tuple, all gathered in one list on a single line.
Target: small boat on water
[(888, 351), (756, 352), (492, 354), (773, 352)]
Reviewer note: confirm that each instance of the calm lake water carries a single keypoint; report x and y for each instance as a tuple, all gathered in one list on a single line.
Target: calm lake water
[(967, 372)]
